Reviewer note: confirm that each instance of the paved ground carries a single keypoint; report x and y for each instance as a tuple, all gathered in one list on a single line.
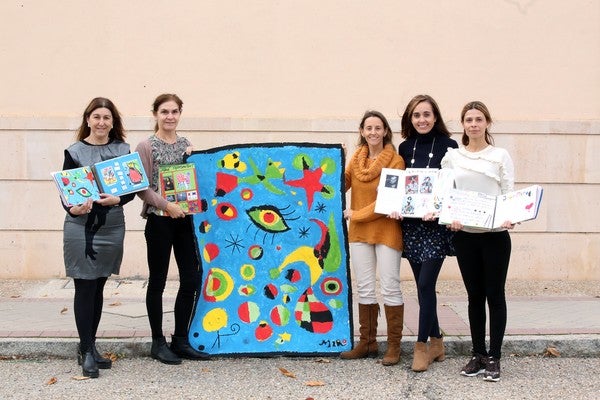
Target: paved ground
[(532, 377), (37, 318), (38, 342)]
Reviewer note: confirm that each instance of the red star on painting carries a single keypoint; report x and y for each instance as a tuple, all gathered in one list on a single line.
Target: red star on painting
[(310, 182)]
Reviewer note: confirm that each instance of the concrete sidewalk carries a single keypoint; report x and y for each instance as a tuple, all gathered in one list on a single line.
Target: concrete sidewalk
[(39, 322)]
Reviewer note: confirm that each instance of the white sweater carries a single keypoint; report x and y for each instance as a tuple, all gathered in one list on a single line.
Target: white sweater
[(489, 171)]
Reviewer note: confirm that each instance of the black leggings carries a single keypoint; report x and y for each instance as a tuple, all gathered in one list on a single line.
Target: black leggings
[(87, 307), (483, 260), (426, 275), (162, 235)]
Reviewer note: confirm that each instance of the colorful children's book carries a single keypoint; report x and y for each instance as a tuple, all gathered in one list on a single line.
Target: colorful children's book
[(178, 184), (117, 176), (413, 192), (479, 210), (121, 175), (76, 185)]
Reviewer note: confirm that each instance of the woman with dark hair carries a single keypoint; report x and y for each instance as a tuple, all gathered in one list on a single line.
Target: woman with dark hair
[(94, 231), (483, 256), (375, 240), (426, 243), (165, 233)]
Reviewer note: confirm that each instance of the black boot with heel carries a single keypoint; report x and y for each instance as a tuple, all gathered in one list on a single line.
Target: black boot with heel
[(160, 351), (181, 346), (89, 367), (102, 362)]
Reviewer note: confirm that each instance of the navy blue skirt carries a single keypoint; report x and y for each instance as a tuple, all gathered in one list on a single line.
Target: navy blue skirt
[(426, 240)]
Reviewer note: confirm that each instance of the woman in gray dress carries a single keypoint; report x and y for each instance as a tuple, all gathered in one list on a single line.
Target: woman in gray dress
[(94, 231)]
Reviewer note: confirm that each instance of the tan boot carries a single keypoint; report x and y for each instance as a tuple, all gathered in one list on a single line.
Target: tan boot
[(367, 345), (437, 352), (395, 321), (420, 357)]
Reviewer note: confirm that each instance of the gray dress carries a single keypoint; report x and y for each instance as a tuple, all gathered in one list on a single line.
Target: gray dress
[(93, 243)]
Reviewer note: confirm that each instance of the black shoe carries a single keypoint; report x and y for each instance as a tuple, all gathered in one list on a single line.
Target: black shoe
[(103, 362), (89, 367), (492, 370), (181, 346), (161, 352), (475, 366)]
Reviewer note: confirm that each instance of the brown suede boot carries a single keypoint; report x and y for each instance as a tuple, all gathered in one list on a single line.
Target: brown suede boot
[(367, 345), (437, 352), (420, 357), (395, 321)]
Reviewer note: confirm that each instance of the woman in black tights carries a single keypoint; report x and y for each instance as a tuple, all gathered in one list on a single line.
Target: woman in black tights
[(166, 233), (94, 230), (426, 243)]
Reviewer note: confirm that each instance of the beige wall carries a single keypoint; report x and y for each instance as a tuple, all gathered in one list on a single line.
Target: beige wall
[(304, 71)]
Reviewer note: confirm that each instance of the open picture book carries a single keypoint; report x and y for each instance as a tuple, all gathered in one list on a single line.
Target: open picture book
[(117, 176), (413, 192), (479, 210)]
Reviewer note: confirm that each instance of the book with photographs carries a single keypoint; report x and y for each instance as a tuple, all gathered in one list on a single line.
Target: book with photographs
[(483, 211), (413, 192), (117, 176), (179, 184)]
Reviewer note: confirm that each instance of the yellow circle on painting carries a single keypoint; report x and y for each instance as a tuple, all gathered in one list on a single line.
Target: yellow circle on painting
[(248, 272), (214, 320)]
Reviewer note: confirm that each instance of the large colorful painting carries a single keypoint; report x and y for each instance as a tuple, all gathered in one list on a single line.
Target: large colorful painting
[(272, 240)]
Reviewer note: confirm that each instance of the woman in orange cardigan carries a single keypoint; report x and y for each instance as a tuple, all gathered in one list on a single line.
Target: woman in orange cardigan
[(375, 239)]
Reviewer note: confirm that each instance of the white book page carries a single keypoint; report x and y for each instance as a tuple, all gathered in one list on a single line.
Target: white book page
[(517, 206), (413, 192), (390, 191), (472, 209)]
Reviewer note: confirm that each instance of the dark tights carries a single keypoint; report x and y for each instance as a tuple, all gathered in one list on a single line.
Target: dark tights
[(87, 306), (426, 274), (162, 235), (483, 260)]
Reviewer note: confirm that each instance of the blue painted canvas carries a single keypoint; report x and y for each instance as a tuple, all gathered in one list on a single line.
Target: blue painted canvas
[(273, 246)]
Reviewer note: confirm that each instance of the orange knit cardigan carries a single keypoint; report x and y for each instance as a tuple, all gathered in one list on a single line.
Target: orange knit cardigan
[(362, 176)]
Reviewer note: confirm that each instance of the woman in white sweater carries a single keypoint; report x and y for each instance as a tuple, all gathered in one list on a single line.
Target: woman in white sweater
[(483, 256)]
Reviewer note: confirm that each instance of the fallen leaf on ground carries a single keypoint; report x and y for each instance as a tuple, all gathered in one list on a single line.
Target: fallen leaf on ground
[(112, 356), (6, 358), (552, 352), (52, 381), (314, 383), (80, 378), (15, 296), (323, 360), (205, 370), (64, 310), (287, 373), (116, 303)]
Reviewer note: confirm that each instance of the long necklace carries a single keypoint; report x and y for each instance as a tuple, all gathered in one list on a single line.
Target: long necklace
[(430, 155)]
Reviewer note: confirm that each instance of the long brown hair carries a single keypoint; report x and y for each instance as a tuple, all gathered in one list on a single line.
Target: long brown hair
[(408, 130), (163, 98), (388, 131), (476, 105), (116, 132)]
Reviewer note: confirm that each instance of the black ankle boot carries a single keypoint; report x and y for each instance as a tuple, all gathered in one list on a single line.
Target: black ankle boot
[(161, 352), (181, 346), (89, 367), (103, 362)]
